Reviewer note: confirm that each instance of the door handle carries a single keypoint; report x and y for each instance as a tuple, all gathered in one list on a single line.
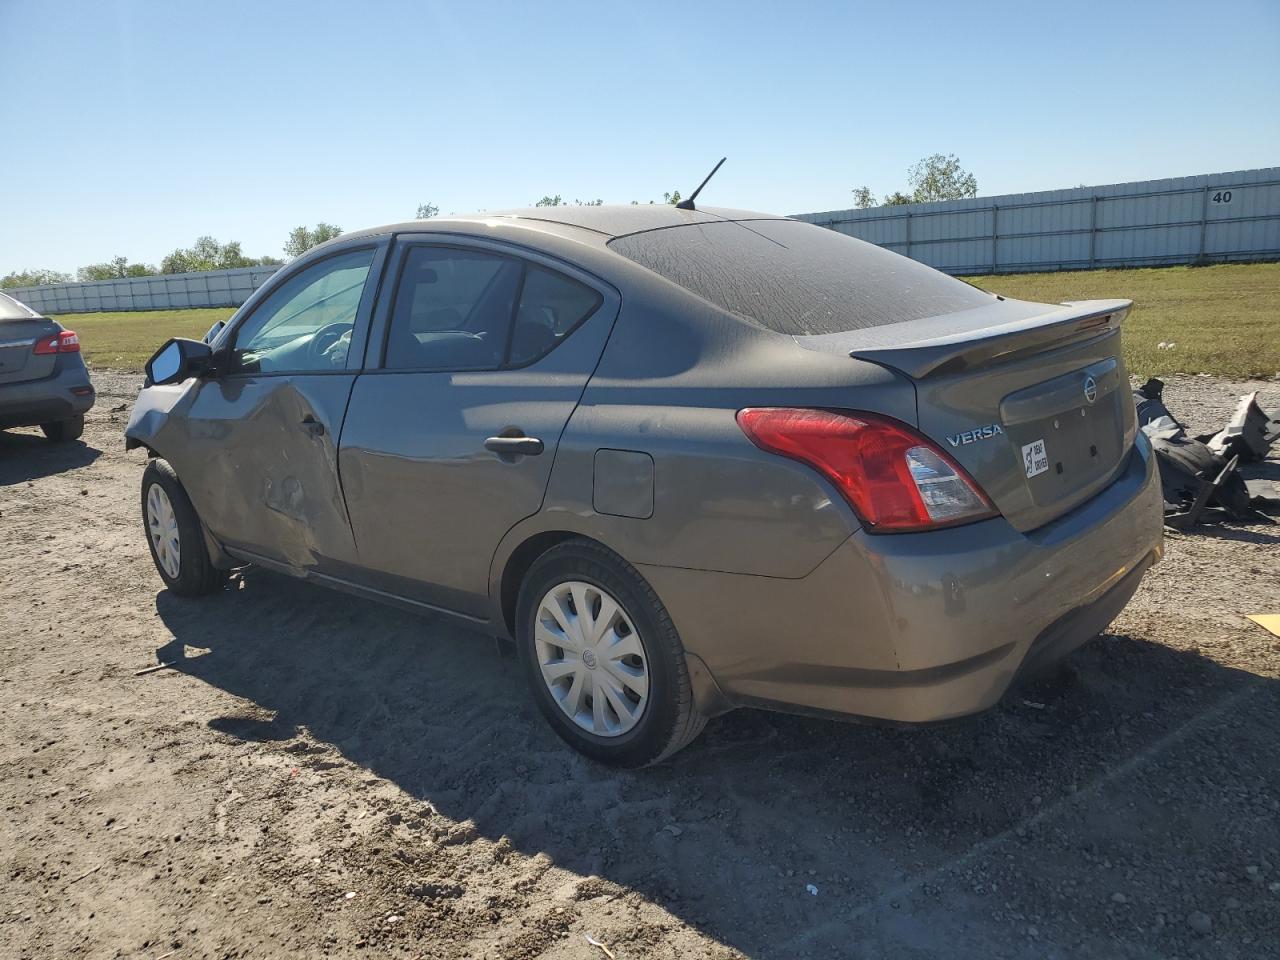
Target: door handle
[(313, 426), (518, 446)]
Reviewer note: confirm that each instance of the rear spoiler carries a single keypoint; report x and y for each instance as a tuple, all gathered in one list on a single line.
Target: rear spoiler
[(974, 338)]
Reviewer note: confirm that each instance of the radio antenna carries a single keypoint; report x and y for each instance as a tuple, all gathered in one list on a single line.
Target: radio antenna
[(687, 204)]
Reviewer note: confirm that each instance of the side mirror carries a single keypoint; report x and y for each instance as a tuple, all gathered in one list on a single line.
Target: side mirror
[(179, 359)]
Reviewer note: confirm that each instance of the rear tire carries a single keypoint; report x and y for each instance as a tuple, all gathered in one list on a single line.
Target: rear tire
[(175, 534), (63, 431), (657, 716)]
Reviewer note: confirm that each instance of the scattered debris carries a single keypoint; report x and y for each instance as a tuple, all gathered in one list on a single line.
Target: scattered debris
[(87, 873), (596, 943), (1201, 476), (1267, 621), (152, 669), (1250, 433)]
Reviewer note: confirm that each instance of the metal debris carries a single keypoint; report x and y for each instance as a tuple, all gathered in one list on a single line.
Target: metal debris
[(1250, 433), (1201, 476)]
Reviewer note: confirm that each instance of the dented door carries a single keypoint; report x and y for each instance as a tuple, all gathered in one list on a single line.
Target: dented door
[(260, 465)]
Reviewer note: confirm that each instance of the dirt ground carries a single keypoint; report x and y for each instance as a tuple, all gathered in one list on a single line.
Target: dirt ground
[(322, 776)]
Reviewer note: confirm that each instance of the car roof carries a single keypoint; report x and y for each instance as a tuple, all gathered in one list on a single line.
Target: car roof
[(607, 222)]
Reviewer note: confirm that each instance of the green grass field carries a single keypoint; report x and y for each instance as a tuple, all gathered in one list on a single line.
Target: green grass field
[(124, 341), (1223, 320)]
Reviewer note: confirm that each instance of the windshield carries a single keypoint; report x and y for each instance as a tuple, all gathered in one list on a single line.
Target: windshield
[(795, 278)]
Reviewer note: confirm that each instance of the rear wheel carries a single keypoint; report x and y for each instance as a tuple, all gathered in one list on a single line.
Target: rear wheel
[(175, 535), (62, 431), (603, 659)]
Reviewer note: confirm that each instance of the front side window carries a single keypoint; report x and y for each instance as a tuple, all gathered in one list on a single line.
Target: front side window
[(305, 324), (452, 310)]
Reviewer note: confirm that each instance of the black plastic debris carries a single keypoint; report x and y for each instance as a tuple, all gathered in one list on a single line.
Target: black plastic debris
[(1200, 476), (1250, 433), (1153, 416)]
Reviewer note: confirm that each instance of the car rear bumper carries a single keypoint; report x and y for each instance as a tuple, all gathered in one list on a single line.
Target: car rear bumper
[(920, 627), (67, 393)]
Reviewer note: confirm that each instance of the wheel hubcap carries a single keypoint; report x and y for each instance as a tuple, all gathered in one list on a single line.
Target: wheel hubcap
[(592, 658), (162, 525)]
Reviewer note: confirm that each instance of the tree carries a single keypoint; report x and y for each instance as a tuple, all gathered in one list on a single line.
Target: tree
[(941, 178), (301, 239), (672, 198), (34, 278), (863, 198), (427, 210), (208, 254), (114, 269), (589, 203), (550, 201)]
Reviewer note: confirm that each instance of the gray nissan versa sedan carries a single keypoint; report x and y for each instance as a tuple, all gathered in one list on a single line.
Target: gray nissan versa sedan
[(43, 379), (688, 460)]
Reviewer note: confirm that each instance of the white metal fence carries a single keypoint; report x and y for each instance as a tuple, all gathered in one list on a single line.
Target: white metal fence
[(1211, 218), (168, 291)]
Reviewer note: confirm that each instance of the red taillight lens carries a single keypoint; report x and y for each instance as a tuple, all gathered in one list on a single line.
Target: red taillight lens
[(64, 342), (893, 477)]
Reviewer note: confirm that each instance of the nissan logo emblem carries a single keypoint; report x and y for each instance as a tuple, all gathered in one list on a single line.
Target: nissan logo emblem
[(1090, 389)]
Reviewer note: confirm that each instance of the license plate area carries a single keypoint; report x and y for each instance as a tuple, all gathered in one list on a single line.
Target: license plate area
[(1067, 440)]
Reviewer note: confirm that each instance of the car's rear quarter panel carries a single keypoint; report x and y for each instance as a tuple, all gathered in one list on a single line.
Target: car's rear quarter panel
[(669, 384)]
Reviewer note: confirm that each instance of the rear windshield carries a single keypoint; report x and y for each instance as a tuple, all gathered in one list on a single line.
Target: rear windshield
[(11, 309), (796, 278)]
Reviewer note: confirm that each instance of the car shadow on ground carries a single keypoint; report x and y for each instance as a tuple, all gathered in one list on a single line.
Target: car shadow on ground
[(729, 834), (29, 456)]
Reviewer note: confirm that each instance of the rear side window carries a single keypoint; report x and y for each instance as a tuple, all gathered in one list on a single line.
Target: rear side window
[(795, 278), (551, 305), (452, 310), (463, 309)]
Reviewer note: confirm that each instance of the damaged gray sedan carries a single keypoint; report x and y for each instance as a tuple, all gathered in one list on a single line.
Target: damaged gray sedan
[(688, 460)]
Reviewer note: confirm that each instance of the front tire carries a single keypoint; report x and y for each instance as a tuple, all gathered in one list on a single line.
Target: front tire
[(175, 535), (603, 659), (64, 431)]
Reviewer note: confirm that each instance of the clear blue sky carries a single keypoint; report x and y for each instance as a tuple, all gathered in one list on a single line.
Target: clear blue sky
[(134, 127)]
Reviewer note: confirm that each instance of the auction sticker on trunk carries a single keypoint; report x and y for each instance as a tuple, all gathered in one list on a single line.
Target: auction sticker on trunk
[(1035, 458)]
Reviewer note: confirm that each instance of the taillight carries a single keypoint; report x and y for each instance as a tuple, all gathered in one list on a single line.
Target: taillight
[(896, 479), (64, 342)]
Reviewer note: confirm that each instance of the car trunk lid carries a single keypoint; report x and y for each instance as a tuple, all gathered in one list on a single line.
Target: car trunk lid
[(18, 338), (1031, 399)]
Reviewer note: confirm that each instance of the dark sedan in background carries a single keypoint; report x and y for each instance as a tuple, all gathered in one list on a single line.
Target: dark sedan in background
[(43, 379)]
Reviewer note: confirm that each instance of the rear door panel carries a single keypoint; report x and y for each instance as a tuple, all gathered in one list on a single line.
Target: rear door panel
[(428, 503)]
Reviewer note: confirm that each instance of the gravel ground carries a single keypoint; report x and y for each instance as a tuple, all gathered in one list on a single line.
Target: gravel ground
[(323, 776)]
